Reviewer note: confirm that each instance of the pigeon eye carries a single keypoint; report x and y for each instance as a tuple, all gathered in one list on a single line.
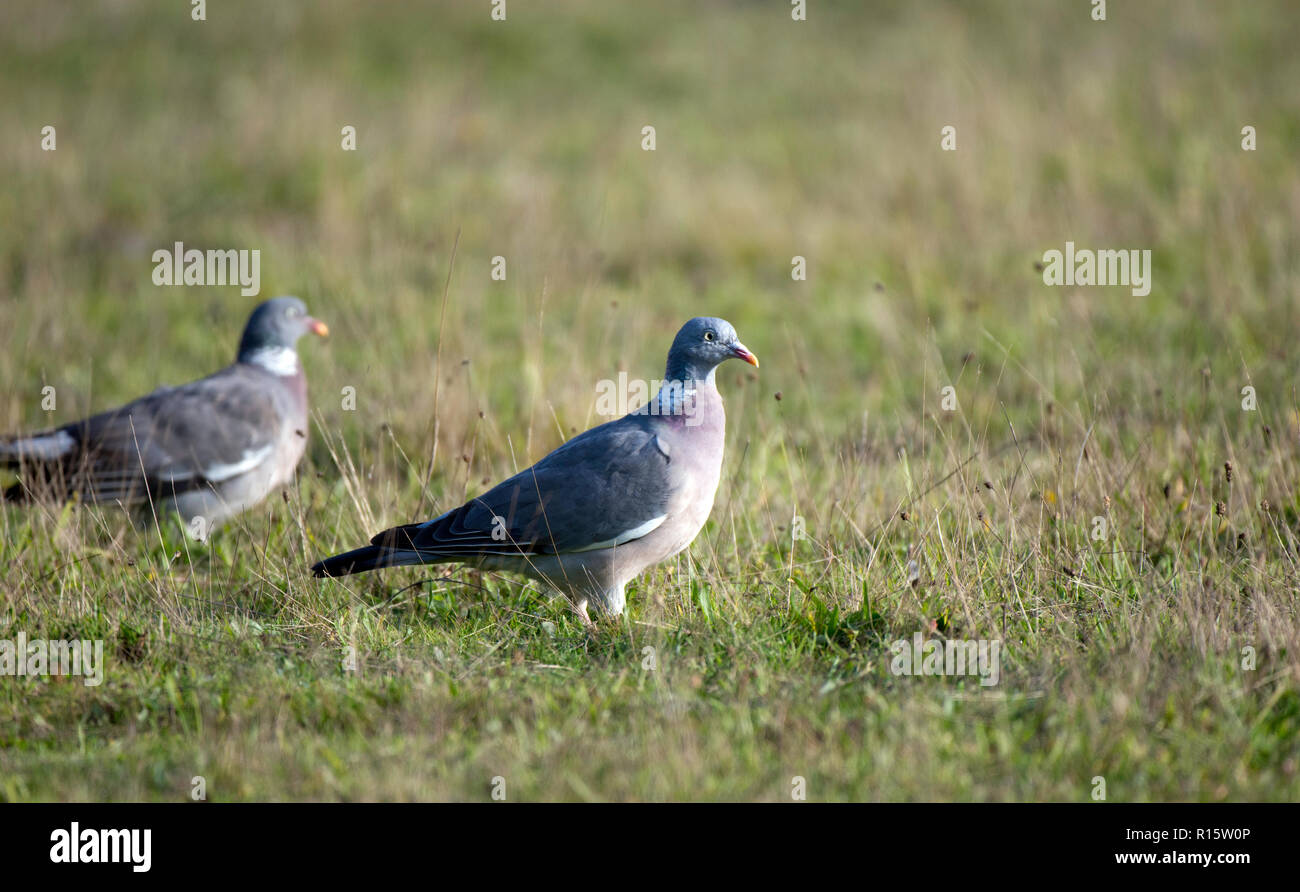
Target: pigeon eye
[(708, 336), (291, 312)]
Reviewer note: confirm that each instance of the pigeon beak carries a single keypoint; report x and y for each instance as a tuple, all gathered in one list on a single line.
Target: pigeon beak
[(740, 351), (315, 326)]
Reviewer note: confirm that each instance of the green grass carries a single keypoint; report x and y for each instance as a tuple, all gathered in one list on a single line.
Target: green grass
[(1122, 657)]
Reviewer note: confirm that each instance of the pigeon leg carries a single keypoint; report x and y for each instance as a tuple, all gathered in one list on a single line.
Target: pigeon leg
[(580, 608)]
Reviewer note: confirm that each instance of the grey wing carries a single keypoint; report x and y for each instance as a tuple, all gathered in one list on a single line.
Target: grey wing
[(606, 487), (172, 440)]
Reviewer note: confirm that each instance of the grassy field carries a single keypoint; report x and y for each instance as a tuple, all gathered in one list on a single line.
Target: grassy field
[(1123, 655)]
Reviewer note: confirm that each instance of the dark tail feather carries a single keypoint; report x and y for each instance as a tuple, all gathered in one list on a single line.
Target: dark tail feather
[(358, 560), (369, 557), (16, 493)]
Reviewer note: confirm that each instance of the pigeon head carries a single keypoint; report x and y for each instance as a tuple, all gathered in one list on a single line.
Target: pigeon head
[(275, 326), (701, 345)]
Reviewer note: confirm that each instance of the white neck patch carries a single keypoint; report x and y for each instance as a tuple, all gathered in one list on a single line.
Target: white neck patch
[(281, 361)]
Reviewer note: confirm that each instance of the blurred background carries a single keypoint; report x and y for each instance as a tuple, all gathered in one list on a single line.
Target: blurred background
[(774, 139)]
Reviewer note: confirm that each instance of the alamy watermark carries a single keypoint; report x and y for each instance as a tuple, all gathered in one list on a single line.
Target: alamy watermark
[(613, 398), (104, 846), (212, 267), (1104, 267), (39, 656), (948, 657)]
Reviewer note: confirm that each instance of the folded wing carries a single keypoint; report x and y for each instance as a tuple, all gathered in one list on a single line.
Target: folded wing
[(609, 486), (171, 441)]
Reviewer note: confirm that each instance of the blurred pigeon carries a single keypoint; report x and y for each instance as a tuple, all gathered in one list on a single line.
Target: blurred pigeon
[(208, 449), (599, 509)]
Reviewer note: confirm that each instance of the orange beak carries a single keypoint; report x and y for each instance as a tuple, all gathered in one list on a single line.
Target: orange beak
[(740, 351), (318, 328)]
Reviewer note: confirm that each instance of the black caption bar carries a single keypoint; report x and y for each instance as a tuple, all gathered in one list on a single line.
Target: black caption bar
[(137, 842)]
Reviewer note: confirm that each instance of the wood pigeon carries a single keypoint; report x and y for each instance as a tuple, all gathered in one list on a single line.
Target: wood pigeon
[(601, 508), (208, 449)]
